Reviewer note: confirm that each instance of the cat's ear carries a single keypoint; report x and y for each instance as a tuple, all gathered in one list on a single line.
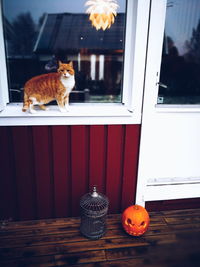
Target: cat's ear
[(71, 64), (59, 63)]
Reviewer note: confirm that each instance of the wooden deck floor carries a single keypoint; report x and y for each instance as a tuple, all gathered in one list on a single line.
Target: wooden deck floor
[(173, 239)]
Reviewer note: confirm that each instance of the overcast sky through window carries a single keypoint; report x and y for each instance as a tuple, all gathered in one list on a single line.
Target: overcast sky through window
[(37, 8)]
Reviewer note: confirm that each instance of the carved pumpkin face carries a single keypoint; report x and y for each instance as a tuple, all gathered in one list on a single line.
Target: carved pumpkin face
[(135, 220)]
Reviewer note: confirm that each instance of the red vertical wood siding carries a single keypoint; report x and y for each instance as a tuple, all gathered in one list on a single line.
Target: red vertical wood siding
[(115, 150), (61, 170), (44, 170), (42, 160), (130, 165), (8, 190), (97, 166), (24, 172), (79, 167)]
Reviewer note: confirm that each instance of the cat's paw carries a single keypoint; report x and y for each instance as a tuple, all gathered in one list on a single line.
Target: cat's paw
[(32, 111), (67, 108), (63, 110)]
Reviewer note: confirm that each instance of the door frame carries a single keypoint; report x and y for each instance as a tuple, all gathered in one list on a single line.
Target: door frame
[(170, 147)]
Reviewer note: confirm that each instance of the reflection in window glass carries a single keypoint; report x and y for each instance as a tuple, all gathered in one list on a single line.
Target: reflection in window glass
[(180, 67), (39, 33)]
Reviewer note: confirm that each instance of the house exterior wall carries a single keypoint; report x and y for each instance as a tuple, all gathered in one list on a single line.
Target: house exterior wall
[(45, 170)]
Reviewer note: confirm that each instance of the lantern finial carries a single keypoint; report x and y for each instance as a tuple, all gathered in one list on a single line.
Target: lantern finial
[(94, 192)]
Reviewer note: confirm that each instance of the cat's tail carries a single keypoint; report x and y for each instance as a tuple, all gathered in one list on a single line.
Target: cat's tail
[(27, 103)]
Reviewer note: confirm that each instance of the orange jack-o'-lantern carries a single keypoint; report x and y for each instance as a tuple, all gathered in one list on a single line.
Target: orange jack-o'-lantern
[(135, 220)]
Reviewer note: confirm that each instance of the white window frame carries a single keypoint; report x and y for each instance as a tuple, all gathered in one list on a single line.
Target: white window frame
[(127, 112)]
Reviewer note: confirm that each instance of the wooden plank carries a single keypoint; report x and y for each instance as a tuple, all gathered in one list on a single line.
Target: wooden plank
[(72, 231), (79, 165), (24, 171), (43, 171), (131, 151), (61, 168), (115, 146), (183, 219), (37, 233), (126, 253), (112, 221), (174, 254), (139, 262), (185, 227), (27, 226), (87, 245), (65, 235), (97, 164), (57, 237), (51, 245), (59, 259), (49, 230), (157, 221), (44, 223), (164, 255)]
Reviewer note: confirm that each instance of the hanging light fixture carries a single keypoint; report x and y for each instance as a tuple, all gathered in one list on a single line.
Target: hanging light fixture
[(102, 13)]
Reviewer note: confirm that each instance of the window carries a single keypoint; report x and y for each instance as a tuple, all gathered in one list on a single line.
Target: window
[(39, 33), (180, 67), (109, 64)]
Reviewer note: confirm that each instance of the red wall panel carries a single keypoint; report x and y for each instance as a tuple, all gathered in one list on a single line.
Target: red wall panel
[(8, 190), (115, 155), (97, 153), (24, 172), (130, 164), (79, 166), (61, 170), (46, 169), (43, 170)]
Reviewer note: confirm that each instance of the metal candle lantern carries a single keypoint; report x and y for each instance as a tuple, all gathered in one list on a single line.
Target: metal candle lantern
[(94, 207)]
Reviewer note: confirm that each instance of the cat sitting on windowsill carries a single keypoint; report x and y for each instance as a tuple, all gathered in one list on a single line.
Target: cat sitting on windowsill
[(42, 89)]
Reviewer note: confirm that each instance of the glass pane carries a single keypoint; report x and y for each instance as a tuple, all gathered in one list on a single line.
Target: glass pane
[(38, 34), (180, 68)]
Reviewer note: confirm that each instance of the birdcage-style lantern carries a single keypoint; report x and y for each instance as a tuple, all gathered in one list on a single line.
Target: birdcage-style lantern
[(94, 207)]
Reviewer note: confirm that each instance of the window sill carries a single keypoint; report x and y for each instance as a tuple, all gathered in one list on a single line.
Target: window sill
[(173, 108), (79, 114)]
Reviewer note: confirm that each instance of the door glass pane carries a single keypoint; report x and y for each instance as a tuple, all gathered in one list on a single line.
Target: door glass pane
[(39, 33), (180, 67)]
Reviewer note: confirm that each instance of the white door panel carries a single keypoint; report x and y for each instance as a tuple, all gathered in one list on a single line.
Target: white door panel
[(172, 145), (169, 162)]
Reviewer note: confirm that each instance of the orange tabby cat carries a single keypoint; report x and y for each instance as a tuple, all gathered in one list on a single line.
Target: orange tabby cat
[(44, 88)]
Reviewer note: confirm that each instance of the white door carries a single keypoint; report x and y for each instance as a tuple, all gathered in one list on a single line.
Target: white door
[(169, 162)]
